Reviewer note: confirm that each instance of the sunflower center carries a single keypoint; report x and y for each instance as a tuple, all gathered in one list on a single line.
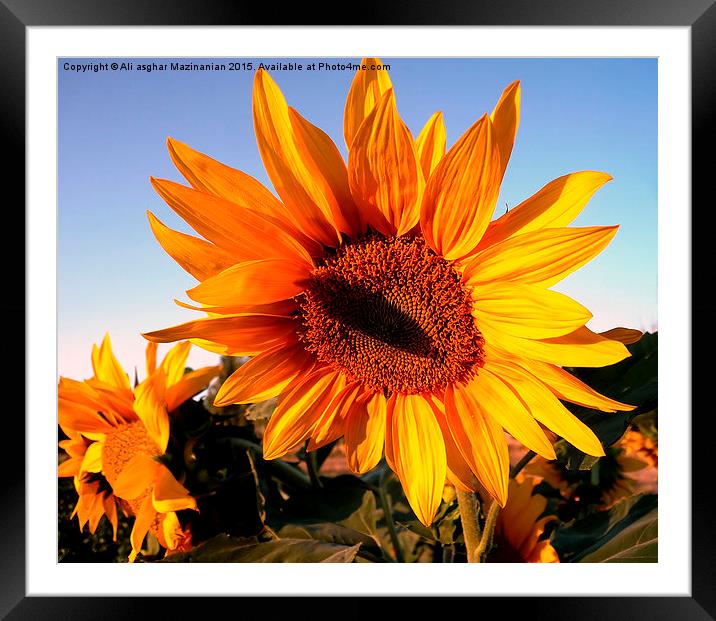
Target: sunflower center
[(121, 445), (393, 314)]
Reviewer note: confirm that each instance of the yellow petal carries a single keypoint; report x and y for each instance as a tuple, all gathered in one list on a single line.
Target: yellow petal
[(171, 531), (505, 120), (539, 258), (210, 216), (283, 308), (330, 425), (418, 453), (328, 171), (243, 335), (189, 385), (430, 143), (459, 472), (302, 194), (211, 176), (113, 403), (143, 521), (297, 413), (265, 376), (78, 418), (106, 367), (254, 282), (581, 348), (208, 175), (168, 494), (479, 439), (243, 233), (528, 311), (497, 399), (104, 400), (136, 477), (96, 512), (151, 357), (365, 434), (367, 89), (92, 461), (556, 205), (69, 467), (383, 170), (198, 257), (547, 409), (461, 193), (623, 335), (569, 388), (110, 510), (151, 408), (174, 362), (75, 446)]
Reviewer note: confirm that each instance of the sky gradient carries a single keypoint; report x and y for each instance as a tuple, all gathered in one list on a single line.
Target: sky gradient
[(577, 114)]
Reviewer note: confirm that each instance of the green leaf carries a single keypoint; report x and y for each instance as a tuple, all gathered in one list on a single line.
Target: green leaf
[(334, 533), (323, 453), (627, 528), (226, 549), (338, 499), (445, 524), (637, 543), (343, 510), (647, 424), (365, 518)]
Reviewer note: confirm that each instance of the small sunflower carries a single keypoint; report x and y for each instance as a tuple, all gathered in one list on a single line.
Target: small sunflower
[(610, 479), (378, 299), (116, 437), (520, 527)]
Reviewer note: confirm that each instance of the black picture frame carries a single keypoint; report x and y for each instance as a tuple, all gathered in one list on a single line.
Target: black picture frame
[(699, 15)]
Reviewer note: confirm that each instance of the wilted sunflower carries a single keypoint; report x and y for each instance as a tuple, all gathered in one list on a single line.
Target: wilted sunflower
[(116, 436), (378, 299)]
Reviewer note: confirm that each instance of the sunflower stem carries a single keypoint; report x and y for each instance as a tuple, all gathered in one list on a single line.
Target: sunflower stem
[(517, 468), (469, 510), (488, 532), (280, 469), (388, 516), (448, 554), (312, 467)]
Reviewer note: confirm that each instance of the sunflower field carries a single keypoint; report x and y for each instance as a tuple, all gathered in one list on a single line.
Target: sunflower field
[(309, 507)]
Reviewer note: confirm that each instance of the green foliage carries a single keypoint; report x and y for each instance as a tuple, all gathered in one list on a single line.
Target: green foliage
[(357, 528), (254, 510), (226, 549), (647, 424), (625, 533)]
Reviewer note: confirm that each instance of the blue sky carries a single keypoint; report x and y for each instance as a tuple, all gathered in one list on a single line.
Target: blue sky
[(577, 114)]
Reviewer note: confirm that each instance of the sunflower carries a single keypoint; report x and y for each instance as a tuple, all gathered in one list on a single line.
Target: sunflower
[(610, 479), (377, 298), (116, 438), (520, 526), (639, 445)]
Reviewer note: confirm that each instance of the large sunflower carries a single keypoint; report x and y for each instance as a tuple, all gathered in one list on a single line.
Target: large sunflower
[(379, 301), (116, 437)]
